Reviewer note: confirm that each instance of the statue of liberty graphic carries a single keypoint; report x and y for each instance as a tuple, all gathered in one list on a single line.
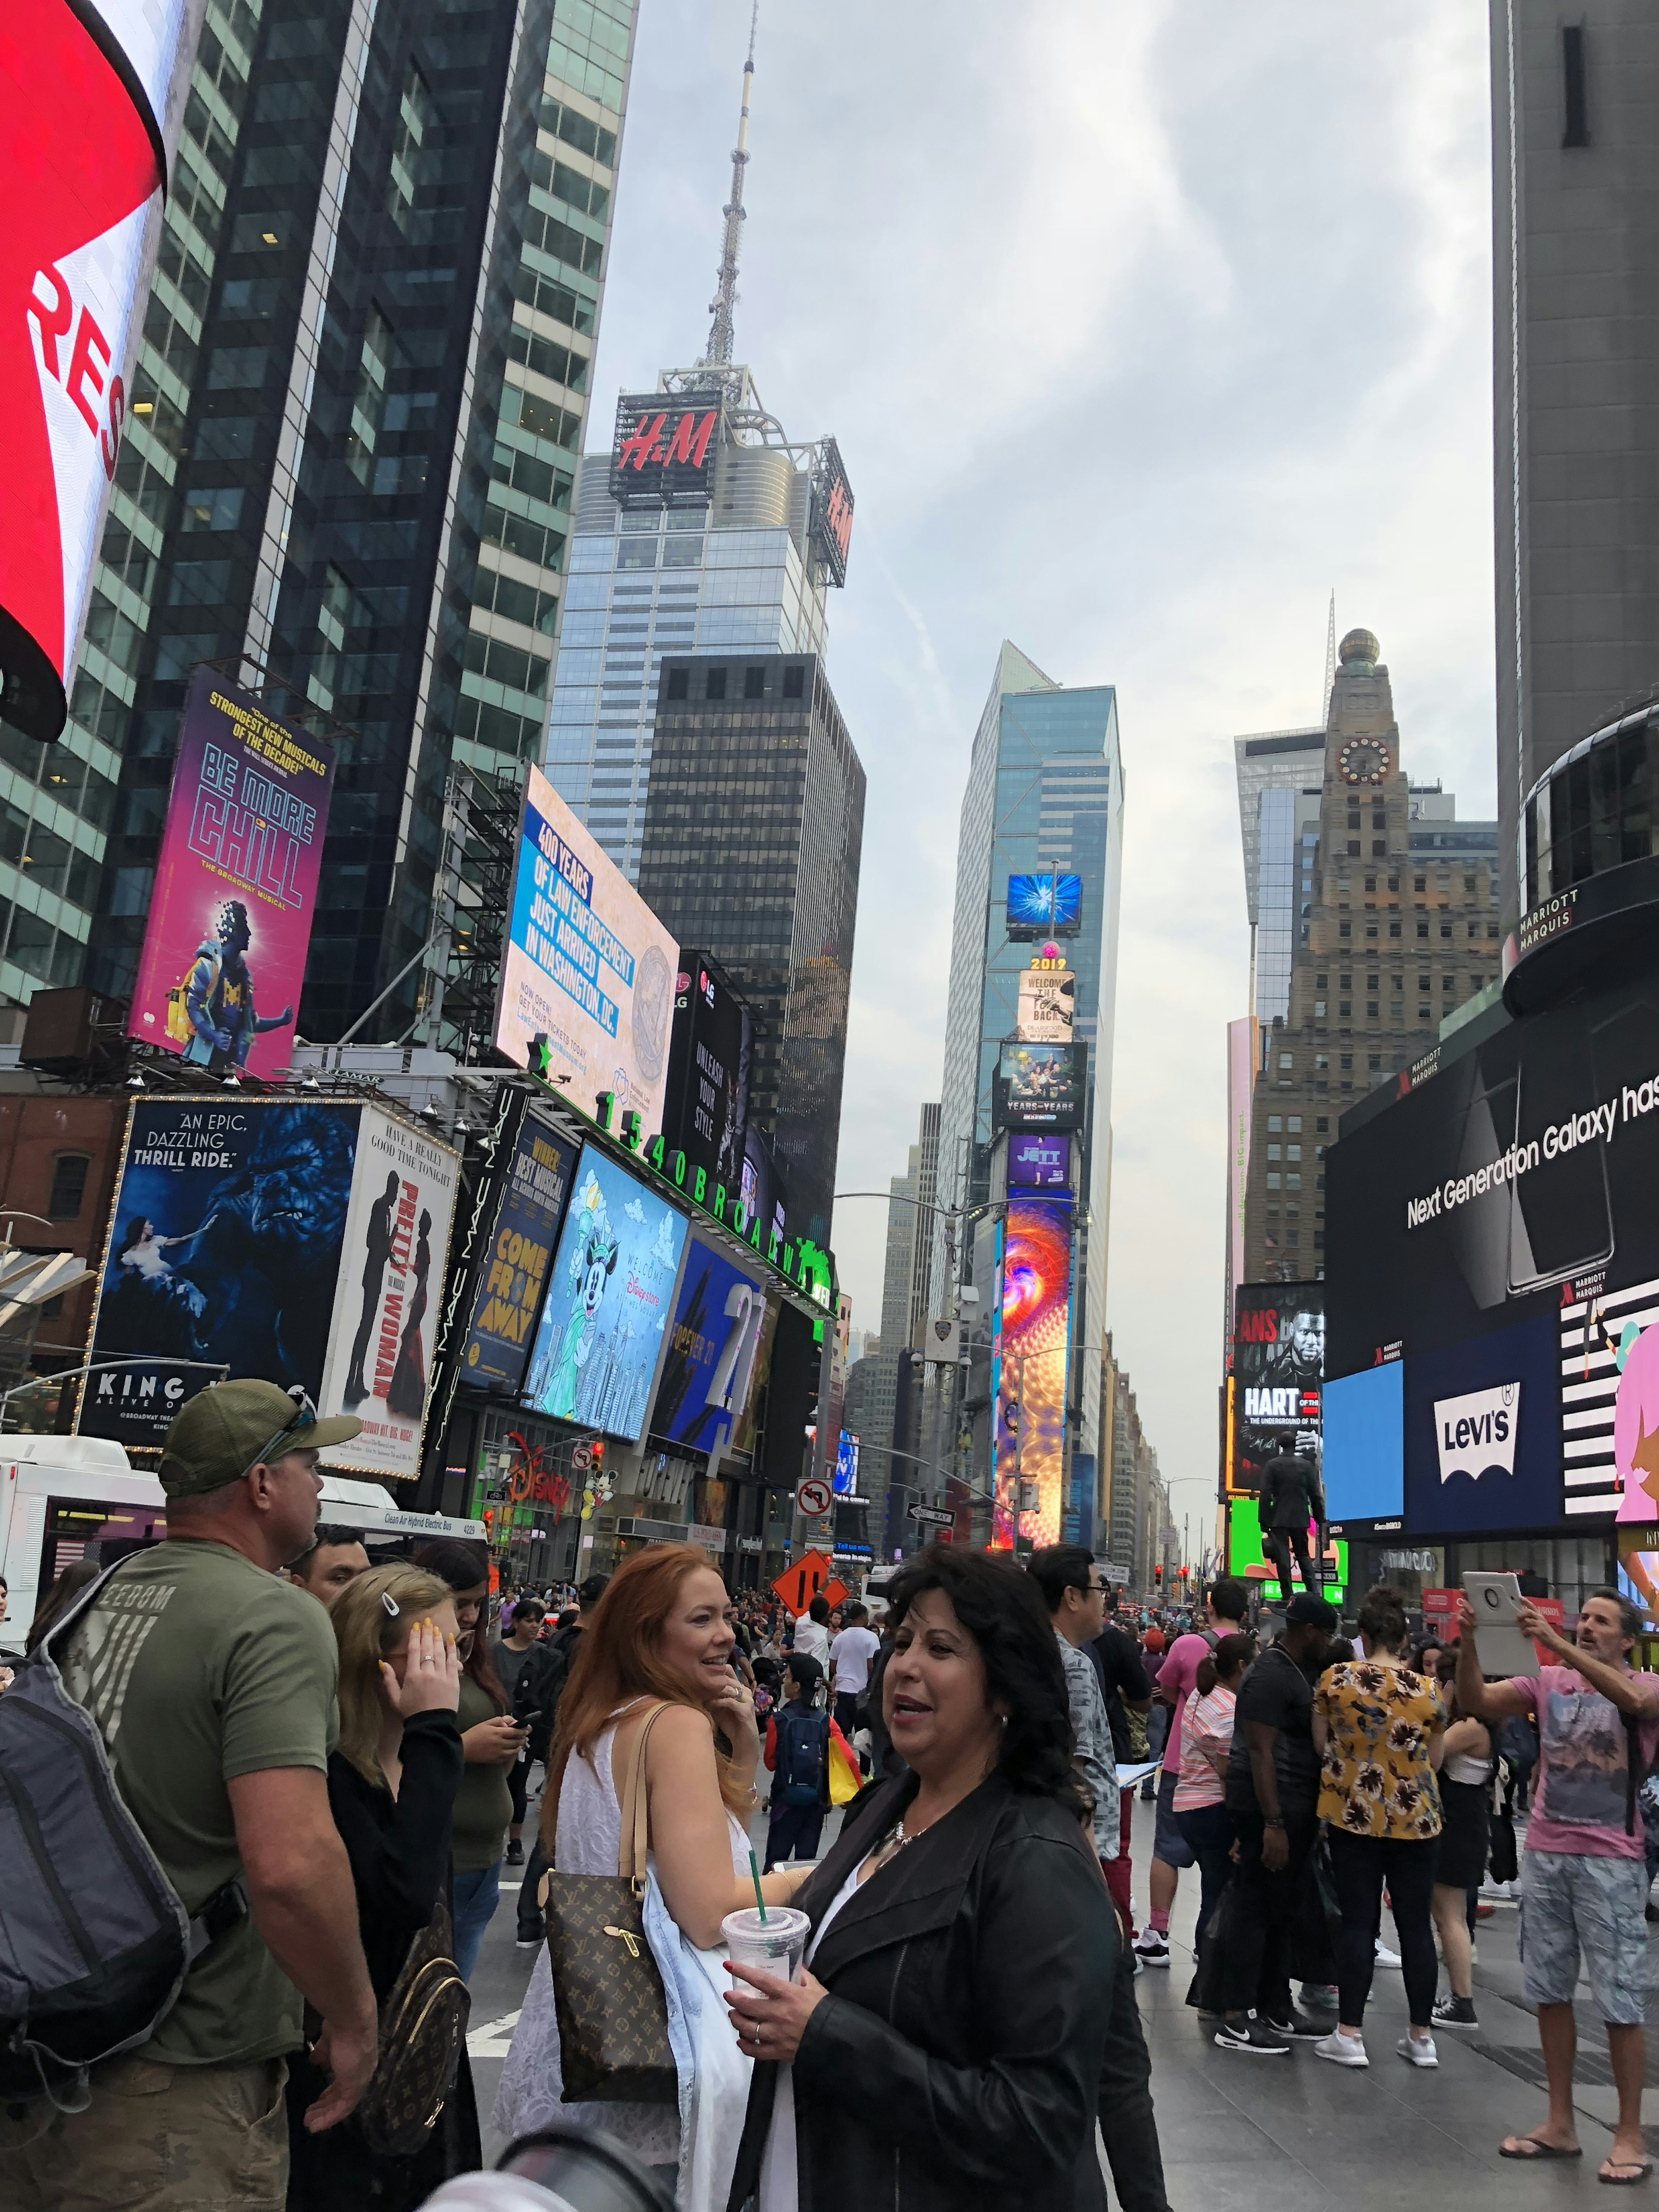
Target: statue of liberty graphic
[(592, 1262)]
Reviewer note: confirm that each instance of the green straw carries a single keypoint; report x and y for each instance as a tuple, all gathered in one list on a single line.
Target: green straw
[(760, 1901)]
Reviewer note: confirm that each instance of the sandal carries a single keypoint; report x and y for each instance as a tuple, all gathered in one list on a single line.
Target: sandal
[(1531, 2152)]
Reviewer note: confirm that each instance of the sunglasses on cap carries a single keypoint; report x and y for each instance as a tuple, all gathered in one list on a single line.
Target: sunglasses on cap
[(304, 1416)]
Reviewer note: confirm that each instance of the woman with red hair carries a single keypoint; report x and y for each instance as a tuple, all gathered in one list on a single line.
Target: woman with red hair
[(659, 1642)]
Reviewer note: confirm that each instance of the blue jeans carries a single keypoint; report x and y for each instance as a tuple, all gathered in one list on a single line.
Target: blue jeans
[(477, 1894)]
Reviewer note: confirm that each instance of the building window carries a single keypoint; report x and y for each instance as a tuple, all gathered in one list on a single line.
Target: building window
[(1353, 847), (1321, 1126), (1294, 1125), (1379, 849), (753, 683), (417, 121), (68, 1185), (715, 686), (1272, 1151), (1345, 929), (1274, 1124), (1286, 1060), (1394, 929), (1321, 1063), (368, 400), (1273, 1183), (1576, 131), (679, 683), (794, 682)]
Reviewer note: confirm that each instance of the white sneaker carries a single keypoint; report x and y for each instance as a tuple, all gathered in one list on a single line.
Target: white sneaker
[(1152, 1948), (1386, 1957), (1342, 2050), (1418, 2050)]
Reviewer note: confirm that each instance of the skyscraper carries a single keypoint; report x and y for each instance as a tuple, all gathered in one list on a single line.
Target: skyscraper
[(703, 529), (1576, 382), (350, 459), (1278, 777), (753, 836), (1400, 933), (1045, 797)]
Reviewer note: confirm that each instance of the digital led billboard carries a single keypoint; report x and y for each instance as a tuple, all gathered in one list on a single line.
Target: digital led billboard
[(1364, 1456), (514, 1275), (91, 95), (706, 1105), (1279, 1363), (1494, 1228), (1047, 1004), (587, 967), (1039, 1163), (831, 525), (1031, 1358), (1039, 1086), (709, 1370), (229, 923), (604, 1319), (1044, 906), (665, 446)]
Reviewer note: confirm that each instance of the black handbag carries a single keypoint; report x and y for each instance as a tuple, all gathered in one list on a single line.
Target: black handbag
[(607, 1990), (422, 2027)]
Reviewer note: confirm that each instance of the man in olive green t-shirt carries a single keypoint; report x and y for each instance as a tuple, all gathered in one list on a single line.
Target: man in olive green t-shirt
[(211, 1681)]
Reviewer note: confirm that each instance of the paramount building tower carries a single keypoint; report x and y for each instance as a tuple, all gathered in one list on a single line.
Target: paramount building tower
[(702, 530)]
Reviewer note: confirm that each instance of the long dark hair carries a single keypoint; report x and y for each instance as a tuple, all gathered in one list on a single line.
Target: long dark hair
[(59, 1598), (463, 1566), (1002, 1609)]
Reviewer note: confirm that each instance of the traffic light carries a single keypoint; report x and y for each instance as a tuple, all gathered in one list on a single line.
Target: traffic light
[(1157, 1577)]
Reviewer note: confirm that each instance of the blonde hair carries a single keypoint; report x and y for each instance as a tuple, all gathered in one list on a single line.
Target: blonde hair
[(368, 1632)]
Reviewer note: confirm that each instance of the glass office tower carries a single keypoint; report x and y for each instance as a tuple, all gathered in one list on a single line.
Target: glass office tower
[(754, 832), (352, 450), (1045, 793)]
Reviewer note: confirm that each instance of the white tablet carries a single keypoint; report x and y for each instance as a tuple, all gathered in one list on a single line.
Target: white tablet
[(1499, 1644)]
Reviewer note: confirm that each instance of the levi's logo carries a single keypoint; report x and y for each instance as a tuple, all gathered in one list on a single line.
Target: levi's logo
[(1475, 1434)]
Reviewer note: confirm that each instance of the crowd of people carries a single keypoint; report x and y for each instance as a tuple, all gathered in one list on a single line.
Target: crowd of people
[(332, 1761)]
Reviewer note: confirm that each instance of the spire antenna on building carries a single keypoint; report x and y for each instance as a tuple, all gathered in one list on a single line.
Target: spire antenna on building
[(721, 307), (1330, 658)]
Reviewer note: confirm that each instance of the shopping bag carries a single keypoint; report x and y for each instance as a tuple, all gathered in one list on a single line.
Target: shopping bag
[(845, 1780), (1318, 1918)]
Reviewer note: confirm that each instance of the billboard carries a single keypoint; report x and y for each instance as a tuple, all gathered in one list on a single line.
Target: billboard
[(229, 923), (604, 1319), (243, 1233), (588, 967), (1365, 1440), (1046, 1003), (706, 1105), (708, 1370), (845, 1474), (1494, 1230), (509, 1294), (1279, 1365), (764, 1187), (1044, 906), (1245, 1552), (1039, 1163), (1039, 1086), (92, 95), (392, 1258), (831, 525), (1029, 1385), (665, 447)]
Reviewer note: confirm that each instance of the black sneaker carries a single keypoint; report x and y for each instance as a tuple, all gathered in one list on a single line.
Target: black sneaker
[(1251, 2035), (1296, 2026), (516, 1854), (1455, 2012)]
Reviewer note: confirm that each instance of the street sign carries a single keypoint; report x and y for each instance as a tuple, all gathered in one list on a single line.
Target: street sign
[(931, 1517), (814, 1498), (582, 1458), (798, 1584), (1111, 1572)]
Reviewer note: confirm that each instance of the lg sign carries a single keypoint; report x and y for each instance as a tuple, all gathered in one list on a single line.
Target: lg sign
[(81, 171)]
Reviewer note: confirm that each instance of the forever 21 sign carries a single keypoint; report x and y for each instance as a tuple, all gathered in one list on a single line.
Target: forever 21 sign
[(663, 448)]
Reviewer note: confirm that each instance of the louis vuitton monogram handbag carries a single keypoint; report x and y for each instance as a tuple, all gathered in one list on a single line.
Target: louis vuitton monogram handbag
[(607, 1992)]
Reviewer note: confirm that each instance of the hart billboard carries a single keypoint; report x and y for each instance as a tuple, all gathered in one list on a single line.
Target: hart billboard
[(1278, 1367), (235, 886), (91, 95)]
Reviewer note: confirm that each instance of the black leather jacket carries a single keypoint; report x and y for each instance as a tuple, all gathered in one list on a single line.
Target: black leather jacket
[(956, 2065)]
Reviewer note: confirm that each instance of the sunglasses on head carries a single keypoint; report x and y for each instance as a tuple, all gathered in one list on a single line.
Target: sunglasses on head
[(304, 1416)]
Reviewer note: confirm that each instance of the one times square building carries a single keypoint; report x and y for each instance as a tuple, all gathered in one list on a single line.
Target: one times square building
[(351, 457)]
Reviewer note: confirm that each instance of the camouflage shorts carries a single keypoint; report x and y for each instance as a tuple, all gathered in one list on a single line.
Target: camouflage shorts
[(153, 2139)]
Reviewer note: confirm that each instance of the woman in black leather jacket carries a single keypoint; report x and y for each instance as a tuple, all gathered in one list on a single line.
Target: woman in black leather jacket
[(943, 2050)]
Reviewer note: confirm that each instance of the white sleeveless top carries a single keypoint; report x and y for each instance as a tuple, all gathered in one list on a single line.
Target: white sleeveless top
[(532, 2085)]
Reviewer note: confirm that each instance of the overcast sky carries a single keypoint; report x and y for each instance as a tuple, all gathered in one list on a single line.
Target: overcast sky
[(1142, 323)]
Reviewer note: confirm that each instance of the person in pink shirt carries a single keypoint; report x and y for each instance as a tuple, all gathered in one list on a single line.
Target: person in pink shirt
[(1584, 1877), (1228, 1604)]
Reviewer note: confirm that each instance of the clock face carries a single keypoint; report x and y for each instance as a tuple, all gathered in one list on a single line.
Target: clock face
[(1363, 760)]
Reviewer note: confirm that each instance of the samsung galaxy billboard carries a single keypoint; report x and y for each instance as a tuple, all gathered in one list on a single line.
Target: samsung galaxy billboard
[(1493, 1237)]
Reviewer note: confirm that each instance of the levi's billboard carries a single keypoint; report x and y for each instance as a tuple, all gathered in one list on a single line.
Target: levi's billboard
[(665, 446), (92, 97)]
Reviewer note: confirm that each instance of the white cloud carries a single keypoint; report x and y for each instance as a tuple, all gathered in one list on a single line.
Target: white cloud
[(1141, 326)]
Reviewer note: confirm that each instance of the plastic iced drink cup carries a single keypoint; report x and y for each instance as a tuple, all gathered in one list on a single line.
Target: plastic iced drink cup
[(774, 1946)]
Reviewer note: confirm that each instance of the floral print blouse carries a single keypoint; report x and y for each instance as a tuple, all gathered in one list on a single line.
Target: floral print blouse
[(1376, 1779)]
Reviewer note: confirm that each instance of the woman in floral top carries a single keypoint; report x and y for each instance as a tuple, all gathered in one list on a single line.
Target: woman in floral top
[(1381, 1729)]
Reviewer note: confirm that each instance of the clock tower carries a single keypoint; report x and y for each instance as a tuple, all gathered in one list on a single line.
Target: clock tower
[(1397, 928)]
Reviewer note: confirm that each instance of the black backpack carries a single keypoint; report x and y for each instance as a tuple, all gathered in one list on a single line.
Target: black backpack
[(799, 1756), (540, 1685), (94, 1942)]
